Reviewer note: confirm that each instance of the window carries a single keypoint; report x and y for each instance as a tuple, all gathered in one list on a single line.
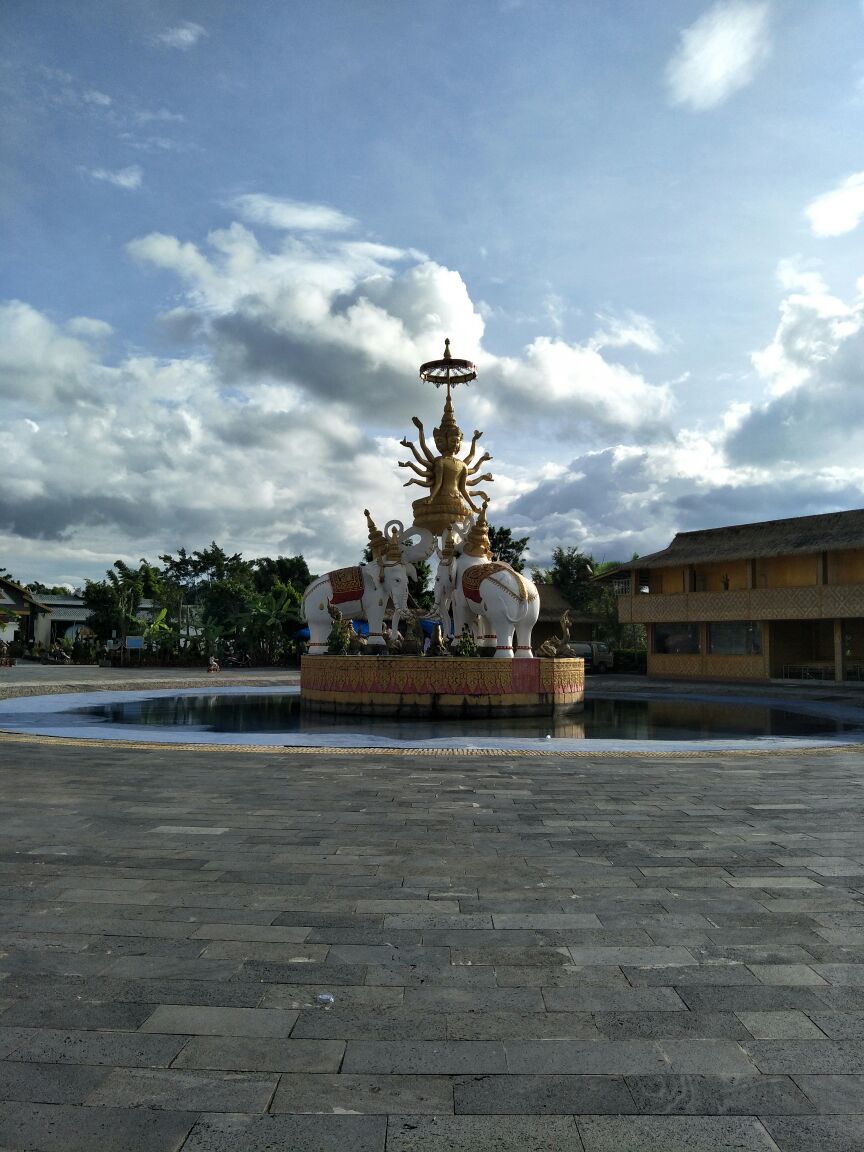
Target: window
[(735, 638), (677, 638)]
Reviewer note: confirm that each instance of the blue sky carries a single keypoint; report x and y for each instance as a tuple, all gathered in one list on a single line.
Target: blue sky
[(231, 232)]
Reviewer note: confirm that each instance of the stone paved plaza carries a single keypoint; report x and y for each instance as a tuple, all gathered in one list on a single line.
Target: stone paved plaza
[(524, 952)]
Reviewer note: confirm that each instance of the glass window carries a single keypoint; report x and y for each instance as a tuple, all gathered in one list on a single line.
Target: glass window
[(678, 638), (735, 638)]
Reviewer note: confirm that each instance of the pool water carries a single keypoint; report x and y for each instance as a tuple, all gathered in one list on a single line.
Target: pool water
[(604, 718)]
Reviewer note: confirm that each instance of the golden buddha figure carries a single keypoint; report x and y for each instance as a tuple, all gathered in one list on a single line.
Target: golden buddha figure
[(447, 477)]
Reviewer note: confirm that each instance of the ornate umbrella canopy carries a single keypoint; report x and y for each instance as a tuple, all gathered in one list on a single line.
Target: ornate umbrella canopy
[(448, 370)]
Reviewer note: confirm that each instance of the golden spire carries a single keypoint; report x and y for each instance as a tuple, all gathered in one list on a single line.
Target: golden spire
[(477, 541), (449, 547), (377, 539)]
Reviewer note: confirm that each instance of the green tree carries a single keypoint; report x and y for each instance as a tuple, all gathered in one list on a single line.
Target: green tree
[(571, 573), (506, 548), (268, 572)]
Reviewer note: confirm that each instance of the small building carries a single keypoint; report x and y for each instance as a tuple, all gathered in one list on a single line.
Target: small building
[(22, 616), (68, 619), (780, 599)]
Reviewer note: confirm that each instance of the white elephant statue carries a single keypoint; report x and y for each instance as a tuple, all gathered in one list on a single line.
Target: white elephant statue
[(364, 591), (491, 598)]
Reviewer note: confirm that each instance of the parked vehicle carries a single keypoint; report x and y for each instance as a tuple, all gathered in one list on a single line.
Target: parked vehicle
[(598, 657)]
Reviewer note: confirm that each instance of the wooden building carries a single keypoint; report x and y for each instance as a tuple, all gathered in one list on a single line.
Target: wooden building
[(781, 599)]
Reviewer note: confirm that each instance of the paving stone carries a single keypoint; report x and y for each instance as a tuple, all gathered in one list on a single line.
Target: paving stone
[(243, 1053), (117, 1049), (183, 1091), (65, 1128), (421, 1057), (788, 1025), (807, 1057), (626, 1057), (370, 1095), (481, 1134), (834, 1093), (228, 1133), (370, 1024), (674, 1134), (86, 1014), (541, 1095), (718, 1095), (201, 1020), (48, 1083), (672, 1025), (521, 1025), (837, 1133), (625, 999), (345, 996)]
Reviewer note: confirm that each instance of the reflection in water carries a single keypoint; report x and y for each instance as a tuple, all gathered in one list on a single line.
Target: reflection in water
[(602, 719)]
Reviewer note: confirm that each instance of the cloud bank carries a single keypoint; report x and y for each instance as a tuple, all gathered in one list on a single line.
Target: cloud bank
[(277, 417)]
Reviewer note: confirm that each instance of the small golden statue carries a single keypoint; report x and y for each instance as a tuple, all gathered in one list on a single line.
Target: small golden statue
[(446, 476)]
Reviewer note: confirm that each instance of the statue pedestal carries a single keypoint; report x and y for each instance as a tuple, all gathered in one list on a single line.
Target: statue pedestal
[(461, 686)]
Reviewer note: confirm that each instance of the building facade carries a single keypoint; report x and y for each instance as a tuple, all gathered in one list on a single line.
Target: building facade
[(780, 599)]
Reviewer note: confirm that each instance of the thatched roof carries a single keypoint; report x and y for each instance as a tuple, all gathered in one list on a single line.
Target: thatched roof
[(830, 532)]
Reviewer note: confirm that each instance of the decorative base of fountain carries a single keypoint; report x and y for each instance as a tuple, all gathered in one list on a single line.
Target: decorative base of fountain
[(445, 686)]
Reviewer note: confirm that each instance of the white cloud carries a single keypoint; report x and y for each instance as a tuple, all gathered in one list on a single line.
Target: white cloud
[(182, 36), (840, 210), (633, 330), (92, 96), (719, 54), (88, 328), (292, 215), (129, 178)]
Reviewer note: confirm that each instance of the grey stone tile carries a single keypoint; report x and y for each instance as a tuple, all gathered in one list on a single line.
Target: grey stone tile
[(626, 1057), (840, 1094), (269, 972), (264, 950), (674, 1134), (625, 999), (276, 933), (169, 968), (202, 1020), (671, 1026), (782, 1025), (85, 1014), (370, 1024), (252, 1054), (66, 1128), (852, 974), (521, 1026), (422, 1057), (346, 996), (117, 1049), (184, 1091), (541, 1095), (444, 999), (229, 1133), (48, 1083), (807, 1057), (369, 1095), (718, 1095), (837, 1133), (482, 1134), (840, 1025)]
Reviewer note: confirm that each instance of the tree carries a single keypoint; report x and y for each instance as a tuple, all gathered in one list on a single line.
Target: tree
[(506, 548), (571, 573), (267, 572)]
